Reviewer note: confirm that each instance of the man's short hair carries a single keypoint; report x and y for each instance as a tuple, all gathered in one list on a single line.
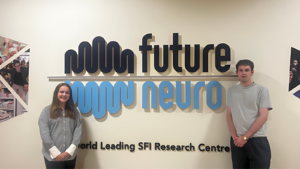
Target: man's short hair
[(16, 61), (245, 62)]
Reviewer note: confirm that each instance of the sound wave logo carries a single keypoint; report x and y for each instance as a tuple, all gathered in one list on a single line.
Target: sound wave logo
[(106, 97), (99, 99)]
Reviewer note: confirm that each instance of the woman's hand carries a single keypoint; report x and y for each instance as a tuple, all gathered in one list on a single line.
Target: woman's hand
[(65, 155), (59, 157)]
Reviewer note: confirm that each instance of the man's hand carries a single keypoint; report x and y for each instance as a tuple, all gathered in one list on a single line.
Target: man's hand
[(59, 157), (234, 138), (25, 87), (239, 141), (65, 155)]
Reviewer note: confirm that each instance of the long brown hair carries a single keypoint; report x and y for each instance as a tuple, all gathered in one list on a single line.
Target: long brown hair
[(56, 110)]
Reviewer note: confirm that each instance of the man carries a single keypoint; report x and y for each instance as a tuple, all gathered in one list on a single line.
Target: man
[(248, 106), (18, 79), (9, 49), (295, 76)]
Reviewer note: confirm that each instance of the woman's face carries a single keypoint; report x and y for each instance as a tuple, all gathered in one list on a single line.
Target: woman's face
[(63, 94)]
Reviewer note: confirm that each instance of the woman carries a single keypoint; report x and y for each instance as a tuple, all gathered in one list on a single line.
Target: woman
[(60, 129)]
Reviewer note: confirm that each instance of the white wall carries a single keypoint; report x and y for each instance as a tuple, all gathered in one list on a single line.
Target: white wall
[(263, 31)]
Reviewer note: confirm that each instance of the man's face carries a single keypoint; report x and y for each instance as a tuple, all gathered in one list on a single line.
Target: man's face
[(12, 53), (17, 67), (295, 62), (244, 73)]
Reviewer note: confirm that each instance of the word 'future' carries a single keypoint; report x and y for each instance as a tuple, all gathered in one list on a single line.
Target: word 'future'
[(108, 57)]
